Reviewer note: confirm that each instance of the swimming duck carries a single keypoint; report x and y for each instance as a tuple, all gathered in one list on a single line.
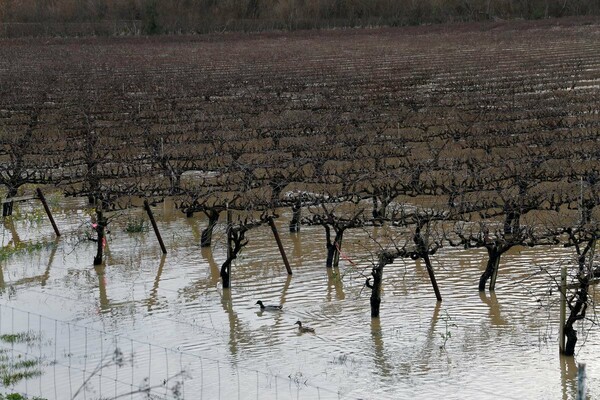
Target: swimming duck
[(304, 329), (268, 307)]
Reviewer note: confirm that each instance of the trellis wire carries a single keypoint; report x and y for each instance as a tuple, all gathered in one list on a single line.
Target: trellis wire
[(83, 363)]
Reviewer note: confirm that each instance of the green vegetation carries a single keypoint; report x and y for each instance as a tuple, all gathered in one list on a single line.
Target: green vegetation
[(15, 371), (447, 334), (136, 225), (17, 396), (14, 368), (34, 216), (23, 337)]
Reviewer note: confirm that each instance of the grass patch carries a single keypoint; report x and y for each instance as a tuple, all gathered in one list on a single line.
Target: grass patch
[(23, 337), (35, 216), (18, 396), (14, 369), (136, 225)]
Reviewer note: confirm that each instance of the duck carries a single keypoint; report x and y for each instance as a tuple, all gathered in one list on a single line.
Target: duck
[(268, 307), (304, 329)]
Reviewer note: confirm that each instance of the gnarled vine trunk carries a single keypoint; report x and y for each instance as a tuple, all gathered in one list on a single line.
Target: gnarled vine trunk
[(213, 218), (577, 313), (333, 254), (226, 272), (377, 274), (380, 206), (235, 242), (375, 299), (7, 208), (296, 216), (491, 269), (578, 309), (100, 229)]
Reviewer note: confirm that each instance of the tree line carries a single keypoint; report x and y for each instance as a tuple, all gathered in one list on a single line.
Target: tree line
[(117, 17)]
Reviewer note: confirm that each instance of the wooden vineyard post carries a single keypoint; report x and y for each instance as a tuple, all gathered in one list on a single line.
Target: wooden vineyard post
[(154, 226), (563, 309), (424, 254), (438, 296), (229, 241), (280, 245), (47, 209)]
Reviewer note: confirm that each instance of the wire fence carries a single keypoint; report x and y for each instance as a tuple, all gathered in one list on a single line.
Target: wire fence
[(53, 359)]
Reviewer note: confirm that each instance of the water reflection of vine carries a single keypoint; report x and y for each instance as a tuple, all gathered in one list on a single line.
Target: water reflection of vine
[(42, 278), (215, 270), (104, 300), (9, 225), (384, 367), (106, 304), (334, 280), (235, 329), (492, 302), (426, 353), (297, 252), (192, 222), (197, 287), (568, 377)]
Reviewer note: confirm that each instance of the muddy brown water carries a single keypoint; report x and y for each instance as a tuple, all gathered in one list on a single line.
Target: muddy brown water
[(502, 345)]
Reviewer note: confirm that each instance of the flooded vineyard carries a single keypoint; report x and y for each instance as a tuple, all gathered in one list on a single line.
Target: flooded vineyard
[(171, 314), (411, 198)]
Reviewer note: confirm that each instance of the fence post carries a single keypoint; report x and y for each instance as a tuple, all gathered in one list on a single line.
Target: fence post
[(563, 309)]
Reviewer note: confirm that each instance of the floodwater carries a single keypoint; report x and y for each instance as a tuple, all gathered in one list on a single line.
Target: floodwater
[(169, 314)]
